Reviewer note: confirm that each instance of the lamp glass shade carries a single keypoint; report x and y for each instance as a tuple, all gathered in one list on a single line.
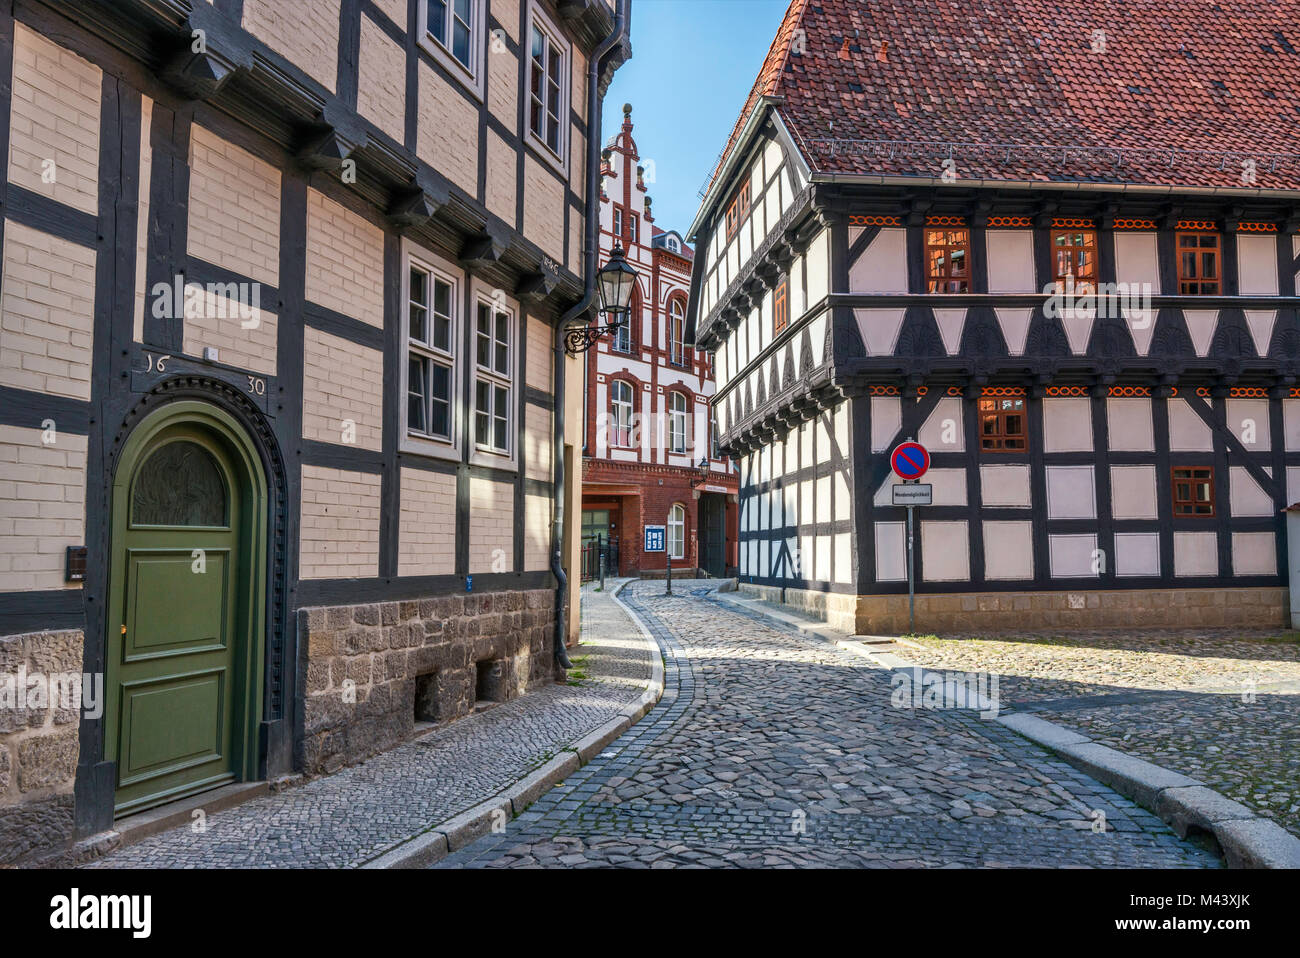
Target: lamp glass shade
[(615, 281)]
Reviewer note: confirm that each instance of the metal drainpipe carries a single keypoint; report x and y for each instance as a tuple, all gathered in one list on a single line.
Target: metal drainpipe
[(594, 66)]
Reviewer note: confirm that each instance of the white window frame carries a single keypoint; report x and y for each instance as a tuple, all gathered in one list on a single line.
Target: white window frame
[(618, 224), (673, 245), (470, 75), (497, 379), (539, 21), (676, 324), (633, 229), (676, 544), (436, 269), (674, 418), (620, 427)]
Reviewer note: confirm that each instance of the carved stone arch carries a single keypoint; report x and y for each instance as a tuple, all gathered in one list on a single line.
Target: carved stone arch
[(279, 673)]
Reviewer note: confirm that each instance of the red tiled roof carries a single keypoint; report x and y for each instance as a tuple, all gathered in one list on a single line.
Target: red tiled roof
[(1031, 90)]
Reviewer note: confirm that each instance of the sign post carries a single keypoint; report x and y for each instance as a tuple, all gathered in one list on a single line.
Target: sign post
[(910, 460)]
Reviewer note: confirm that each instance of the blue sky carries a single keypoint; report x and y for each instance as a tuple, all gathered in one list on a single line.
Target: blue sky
[(693, 63)]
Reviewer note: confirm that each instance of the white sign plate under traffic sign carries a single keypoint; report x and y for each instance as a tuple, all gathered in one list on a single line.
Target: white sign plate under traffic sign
[(913, 494)]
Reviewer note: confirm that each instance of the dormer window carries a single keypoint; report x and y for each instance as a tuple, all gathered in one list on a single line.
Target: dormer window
[(673, 245)]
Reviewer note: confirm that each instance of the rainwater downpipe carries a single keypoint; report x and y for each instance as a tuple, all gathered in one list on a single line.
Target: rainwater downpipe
[(595, 66)]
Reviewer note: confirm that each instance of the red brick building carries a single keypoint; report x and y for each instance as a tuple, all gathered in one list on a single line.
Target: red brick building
[(650, 456)]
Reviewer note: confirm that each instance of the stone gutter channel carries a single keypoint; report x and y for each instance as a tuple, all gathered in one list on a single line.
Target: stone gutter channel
[(455, 833), (1246, 839)]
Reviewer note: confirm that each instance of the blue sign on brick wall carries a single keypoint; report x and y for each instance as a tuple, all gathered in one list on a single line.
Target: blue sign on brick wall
[(654, 538)]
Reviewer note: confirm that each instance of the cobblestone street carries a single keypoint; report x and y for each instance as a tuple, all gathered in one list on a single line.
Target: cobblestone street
[(351, 817), (770, 749), (1218, 705)]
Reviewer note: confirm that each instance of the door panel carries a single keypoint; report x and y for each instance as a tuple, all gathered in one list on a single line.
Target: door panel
[(170, 726), (196, 604)]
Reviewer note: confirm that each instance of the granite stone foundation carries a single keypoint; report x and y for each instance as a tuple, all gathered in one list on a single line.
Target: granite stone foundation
[(1010, 611), (39, 747), (373, 671)]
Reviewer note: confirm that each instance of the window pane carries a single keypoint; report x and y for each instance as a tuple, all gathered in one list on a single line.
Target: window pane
[(440, 407), (419, 325), (442, 333), (502, 417), (416, 390), (179, 485), (437, 20), (441, 297), (483, 412), (460, 42), (484, 337)]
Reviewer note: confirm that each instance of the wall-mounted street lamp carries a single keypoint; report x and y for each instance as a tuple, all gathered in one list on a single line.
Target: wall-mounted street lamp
[(614, 283)]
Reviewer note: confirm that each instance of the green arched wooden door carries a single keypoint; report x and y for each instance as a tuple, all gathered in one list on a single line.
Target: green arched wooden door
[(185, 588)]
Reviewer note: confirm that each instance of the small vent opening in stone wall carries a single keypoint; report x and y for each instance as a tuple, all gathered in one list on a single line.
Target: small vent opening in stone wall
[(427, 707), (488, 683)]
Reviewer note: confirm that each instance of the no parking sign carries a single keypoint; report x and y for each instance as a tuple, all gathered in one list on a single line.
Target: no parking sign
[(910, 460)]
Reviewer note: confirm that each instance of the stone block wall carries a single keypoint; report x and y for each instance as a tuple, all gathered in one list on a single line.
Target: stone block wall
[(372, 670), (39, 747), (1266, 607)]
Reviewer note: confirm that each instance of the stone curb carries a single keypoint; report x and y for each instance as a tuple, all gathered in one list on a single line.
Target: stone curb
[(455, 833), (1185, 804)]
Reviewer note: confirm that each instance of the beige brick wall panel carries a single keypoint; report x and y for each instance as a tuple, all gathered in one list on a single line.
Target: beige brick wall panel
[(54, 115), (537, 443), (47, 306), (544, 208), (426, 538), (502, 177), (395, 10), (342, 381), (381, 87), (345, 261), (503, 79), (244, 337), (447, 134), (42, 506), (142, 220), (491, 526), (541, 354), (234, 215), (305, 34), (340, 524), (506, 13), (537, 533)]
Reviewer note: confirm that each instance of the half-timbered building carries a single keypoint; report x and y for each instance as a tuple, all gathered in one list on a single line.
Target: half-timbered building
[(1058, 246), (282, 404), (649, 457)]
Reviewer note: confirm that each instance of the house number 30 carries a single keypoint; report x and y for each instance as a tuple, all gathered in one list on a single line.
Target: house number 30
[(257, 385)]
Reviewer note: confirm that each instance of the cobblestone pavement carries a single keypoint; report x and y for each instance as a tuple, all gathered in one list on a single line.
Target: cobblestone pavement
[(772, 750), (1219, 705), (346, 819)]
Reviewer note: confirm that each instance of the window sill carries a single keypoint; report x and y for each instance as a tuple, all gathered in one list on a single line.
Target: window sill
[(536, 146), (431, 448)]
